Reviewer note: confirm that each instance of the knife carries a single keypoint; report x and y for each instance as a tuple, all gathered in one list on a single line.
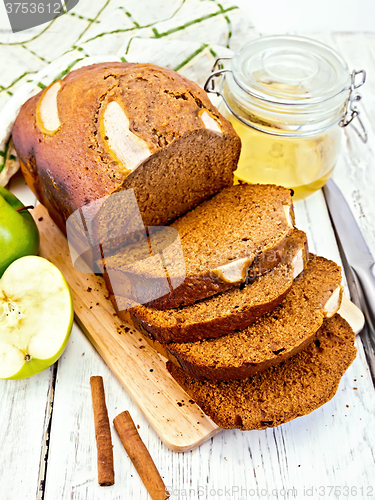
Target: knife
[(357, 254)]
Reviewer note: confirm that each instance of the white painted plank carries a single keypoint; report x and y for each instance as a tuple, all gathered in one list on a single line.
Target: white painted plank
[(355, 173), (72, 469), (313, 218), (24, 419)]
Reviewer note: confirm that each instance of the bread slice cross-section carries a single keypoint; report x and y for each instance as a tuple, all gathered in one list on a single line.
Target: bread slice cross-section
[(234, 309), (291, 389), (275, 337), (241, 232)]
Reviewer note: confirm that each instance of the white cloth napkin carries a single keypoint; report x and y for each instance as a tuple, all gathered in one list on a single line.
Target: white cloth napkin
[(184, 35)]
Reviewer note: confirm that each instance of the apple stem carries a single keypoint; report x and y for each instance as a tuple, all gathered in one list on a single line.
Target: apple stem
[(28, 207), (27, 357)]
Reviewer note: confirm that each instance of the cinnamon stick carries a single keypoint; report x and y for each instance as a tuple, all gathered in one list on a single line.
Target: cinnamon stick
[(106, 474), (140, 456)]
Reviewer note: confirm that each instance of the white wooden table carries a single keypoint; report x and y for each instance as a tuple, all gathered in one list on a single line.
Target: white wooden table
[(46, 424)]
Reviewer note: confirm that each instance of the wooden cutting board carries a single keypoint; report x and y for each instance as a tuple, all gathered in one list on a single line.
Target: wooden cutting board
[(179, 423)]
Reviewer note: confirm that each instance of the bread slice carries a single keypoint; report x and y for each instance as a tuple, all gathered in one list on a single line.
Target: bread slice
[(275, 337), (117, 126), (242, 231), (294, 388), (231, 310)]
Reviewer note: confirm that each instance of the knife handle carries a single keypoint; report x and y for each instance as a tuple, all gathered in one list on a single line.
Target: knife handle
[(366, 279)]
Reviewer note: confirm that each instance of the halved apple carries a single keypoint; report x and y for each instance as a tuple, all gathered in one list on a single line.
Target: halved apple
[(36, 317)]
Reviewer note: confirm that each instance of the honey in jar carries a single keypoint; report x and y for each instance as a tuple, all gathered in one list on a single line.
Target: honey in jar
[(286, 97)]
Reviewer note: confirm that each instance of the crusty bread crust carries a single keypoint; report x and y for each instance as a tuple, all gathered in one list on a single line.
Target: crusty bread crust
[(74, 166)]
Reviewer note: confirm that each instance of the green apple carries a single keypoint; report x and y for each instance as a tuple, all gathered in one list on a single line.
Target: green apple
[(19, 234), (36, 317)]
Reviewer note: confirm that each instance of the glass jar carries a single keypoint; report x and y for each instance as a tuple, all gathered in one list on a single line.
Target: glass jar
[(287, 98)]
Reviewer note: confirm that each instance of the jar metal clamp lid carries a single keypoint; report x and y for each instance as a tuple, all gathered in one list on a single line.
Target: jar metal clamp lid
[(289, 86)]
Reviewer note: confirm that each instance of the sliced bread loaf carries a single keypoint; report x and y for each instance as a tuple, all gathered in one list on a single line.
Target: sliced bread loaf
[(294, 388), (275, 337), (231, 310), (242, 231)]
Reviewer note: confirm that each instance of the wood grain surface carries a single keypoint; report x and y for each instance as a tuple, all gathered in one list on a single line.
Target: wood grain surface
[(181, 425)]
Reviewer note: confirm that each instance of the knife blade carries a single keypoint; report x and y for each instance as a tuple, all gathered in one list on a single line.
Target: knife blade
[(357, 253)]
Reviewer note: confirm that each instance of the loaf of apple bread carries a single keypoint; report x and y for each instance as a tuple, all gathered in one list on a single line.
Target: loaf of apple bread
[(116, 126)]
